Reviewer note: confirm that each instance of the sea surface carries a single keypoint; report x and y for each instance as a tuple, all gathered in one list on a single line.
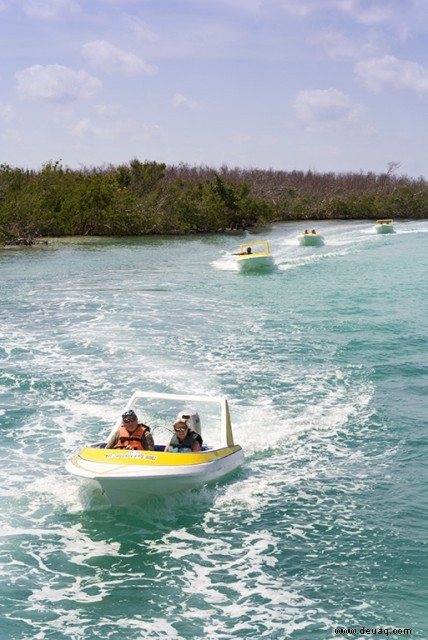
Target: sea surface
[(324, 361)]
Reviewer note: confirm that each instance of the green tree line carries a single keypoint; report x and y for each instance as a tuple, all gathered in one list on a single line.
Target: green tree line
[(143, 198)]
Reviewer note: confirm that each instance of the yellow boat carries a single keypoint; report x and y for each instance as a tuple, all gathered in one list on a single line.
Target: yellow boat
[(310, 239), (254, 256), (385, 225), (130, 476)]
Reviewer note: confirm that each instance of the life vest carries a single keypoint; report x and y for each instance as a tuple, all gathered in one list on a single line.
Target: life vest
[(176, 446), (134, 439)]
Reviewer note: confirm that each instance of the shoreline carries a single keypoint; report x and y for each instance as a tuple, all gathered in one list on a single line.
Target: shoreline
[(47, 241)]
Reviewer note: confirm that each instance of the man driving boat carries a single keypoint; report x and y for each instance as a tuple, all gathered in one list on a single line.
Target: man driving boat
[(132, 435)]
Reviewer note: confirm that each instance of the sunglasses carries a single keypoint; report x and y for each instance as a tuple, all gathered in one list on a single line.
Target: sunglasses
[(128, 419), (180, 428)]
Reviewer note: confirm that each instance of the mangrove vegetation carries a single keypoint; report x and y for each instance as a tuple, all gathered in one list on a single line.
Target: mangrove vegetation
[(142, 198)]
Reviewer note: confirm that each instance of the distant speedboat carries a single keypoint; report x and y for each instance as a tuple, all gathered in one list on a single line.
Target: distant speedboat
[(130, 476), (254, 256), (385, 226), (310, 239)]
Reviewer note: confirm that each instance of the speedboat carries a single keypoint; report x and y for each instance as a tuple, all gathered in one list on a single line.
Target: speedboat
[(310, 239), (254, 256), (385, 226), (130, 476)]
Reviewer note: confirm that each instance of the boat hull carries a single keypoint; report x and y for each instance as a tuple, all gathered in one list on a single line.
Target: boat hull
[(255, 263), (310, 240), (385, 228), (130, 477)]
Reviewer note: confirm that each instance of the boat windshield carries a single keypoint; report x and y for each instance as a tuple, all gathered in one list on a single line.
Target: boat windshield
[(160, 413), (254, 248)]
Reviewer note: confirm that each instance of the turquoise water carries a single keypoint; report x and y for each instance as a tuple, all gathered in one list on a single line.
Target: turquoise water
[(324, 362)]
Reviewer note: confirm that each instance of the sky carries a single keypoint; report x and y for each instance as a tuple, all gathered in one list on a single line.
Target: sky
[(307, 85)]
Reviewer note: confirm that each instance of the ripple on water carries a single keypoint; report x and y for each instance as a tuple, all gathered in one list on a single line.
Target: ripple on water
[(323, 365)]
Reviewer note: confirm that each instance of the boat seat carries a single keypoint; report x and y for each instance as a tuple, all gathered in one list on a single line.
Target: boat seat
[(161, 447), (158, 447)]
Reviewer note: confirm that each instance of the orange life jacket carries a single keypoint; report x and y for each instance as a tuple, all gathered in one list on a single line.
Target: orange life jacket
[(133, 439)]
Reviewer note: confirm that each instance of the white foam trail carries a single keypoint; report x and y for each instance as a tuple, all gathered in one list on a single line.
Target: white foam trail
[(225, 263)]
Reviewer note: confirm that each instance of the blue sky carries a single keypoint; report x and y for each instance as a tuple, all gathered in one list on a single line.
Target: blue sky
[(323, 85)]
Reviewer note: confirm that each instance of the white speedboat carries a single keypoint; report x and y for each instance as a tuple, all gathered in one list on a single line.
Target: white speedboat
[(310, 239), (129, 476), (254, 256), (385, 226)]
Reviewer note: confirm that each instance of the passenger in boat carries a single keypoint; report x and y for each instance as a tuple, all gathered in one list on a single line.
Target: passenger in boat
[(184, 440), (314, 232), (131, 434), (306, 232), (249, 251)]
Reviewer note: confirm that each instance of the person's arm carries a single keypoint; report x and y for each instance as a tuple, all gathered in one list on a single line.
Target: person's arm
[(196, 446), (197, 442), (149, 442), (167, 446), (113, 440)]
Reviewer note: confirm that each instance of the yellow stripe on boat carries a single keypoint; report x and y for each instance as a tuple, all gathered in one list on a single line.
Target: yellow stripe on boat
[(155, 458)]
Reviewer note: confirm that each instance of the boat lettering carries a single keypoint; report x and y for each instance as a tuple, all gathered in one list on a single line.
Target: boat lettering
[(134, 454)]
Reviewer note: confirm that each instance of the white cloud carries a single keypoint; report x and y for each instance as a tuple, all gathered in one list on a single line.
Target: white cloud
[(396, 14), (49, 9), (107, 127), (388, 71), (149, 131), (241, 5), (299, 8), (140, 30), (106, 111), (241, 138), (395, 18), (11, 136), (374, 16), (368, 13), (106, 57), (55, 83), (181, 101), (340, 46), (328, 106), (107, 123), (6, 112), (84, 128)]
